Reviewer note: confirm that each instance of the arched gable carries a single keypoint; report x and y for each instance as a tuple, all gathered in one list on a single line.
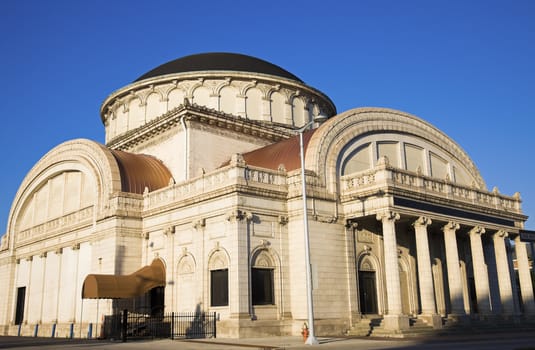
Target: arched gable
[(333, 137), (90, 159)]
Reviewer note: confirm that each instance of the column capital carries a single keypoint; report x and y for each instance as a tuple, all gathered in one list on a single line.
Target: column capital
[(387, 215), (451, 226), (501, 234), (422, 221), (351, 224), (477, 230)]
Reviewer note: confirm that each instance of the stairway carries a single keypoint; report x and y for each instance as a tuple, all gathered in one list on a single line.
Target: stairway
[(373, 327)]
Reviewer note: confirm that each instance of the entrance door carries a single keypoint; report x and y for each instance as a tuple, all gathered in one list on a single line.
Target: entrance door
[(157, 299), (368, 293), (19, 312)]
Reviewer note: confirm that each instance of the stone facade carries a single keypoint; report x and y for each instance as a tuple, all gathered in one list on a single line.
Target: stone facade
[(401, 224)]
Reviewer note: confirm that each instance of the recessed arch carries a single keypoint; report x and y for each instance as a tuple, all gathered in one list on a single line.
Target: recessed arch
[(327, 143)]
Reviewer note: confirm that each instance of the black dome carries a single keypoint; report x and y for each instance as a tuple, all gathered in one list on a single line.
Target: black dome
[(218, 61)]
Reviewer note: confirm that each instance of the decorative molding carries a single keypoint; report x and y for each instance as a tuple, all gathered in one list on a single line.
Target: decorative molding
[(422, 221), (169, 230), (501, 234), (265, 243), (364, 236), (238, 215), (326, 219), (198, 224), (352, 224), (387, 215), (477, 230), (283, 220), (451, 226)]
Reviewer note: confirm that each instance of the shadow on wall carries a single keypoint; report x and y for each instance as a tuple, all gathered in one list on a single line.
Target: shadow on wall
[(199, 324)]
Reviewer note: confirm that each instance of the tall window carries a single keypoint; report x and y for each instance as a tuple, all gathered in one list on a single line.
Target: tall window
[(219, 287), (262, 286)]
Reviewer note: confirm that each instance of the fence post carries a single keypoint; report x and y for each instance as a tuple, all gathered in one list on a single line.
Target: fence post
[(71, 331), (36, 330), (124, 325), (172, 325), (53, 335), (215, 332)]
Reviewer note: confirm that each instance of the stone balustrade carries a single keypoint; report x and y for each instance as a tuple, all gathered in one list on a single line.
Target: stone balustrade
[(402, 179), (254, 178)]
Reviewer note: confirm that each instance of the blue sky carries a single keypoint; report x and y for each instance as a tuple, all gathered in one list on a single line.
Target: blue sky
[(467, 67)]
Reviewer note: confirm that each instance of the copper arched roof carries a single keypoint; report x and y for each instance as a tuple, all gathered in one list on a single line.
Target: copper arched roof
[(124, 286), (139, 171), (285, 152)]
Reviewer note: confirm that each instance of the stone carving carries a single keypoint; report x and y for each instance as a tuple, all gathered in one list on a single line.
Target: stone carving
[(364, 236)]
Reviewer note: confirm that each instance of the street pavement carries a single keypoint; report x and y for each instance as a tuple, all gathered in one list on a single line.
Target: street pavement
[(499, 341)]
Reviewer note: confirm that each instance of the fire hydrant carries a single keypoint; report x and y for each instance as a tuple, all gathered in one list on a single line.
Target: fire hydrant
[(304, 332)]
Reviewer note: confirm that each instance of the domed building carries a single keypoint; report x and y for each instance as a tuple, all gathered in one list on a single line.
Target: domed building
[(196, 203)]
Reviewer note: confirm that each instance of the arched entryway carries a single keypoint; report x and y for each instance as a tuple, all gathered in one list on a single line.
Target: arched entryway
[(367, 280)]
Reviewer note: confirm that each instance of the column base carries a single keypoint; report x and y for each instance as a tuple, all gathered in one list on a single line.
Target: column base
[(434, 320), (396, 322), (458, 319)]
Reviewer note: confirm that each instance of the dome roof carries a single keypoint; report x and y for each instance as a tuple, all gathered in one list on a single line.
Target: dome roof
[(218, 61)]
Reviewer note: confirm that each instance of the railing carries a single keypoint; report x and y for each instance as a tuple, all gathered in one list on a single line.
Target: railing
[(217, 180), (172, 325), (397, 178)]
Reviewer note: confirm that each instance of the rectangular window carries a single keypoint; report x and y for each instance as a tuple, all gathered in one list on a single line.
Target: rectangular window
[(414, 158), (19, 312), (219, 287), (262, 286), (390, 150)]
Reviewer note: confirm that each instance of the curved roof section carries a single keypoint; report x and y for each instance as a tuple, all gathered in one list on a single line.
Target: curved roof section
[(218, 61), (139, 171), (284, 152)]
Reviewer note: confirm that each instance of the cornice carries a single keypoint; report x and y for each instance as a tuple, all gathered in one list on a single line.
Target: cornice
[(202, 115), (226, 76)]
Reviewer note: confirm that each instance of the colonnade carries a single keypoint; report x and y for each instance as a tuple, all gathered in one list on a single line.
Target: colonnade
[(426, 292)]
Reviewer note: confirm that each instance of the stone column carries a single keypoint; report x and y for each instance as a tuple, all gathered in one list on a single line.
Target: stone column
[(481, 276), (524, 275), (425, 275), (504, 277), (454, 271), (393, 319)]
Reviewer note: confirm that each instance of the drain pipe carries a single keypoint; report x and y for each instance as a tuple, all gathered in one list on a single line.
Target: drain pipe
[(186, 139)]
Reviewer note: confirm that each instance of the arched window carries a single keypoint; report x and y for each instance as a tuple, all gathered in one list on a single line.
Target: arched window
[(262, 277), (218, 266)]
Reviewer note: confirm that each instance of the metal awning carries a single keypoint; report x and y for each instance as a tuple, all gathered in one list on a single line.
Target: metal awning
[(128, 286)]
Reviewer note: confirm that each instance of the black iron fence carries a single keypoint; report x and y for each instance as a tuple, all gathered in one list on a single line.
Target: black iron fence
[(171, 325)]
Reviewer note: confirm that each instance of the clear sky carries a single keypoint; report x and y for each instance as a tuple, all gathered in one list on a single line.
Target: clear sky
[(467, 67)]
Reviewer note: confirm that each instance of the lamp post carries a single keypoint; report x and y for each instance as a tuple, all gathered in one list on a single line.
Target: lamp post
[(311, 340)]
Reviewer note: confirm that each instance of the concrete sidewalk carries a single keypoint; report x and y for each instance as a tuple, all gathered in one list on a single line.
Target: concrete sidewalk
[(503, 341)]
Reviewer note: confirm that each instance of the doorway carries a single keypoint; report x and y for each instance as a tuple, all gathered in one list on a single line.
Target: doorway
[(19, 312), (368, 292)]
